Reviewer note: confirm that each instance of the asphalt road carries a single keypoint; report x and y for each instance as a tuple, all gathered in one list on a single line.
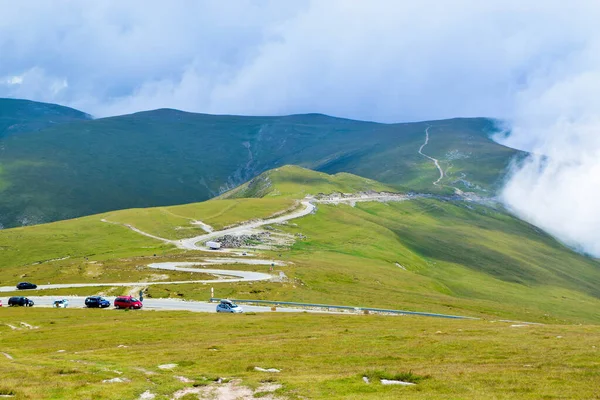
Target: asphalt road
[(150, 304), (223, 276)]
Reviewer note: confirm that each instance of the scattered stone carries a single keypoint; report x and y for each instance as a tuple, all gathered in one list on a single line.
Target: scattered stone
[(147, 395), (122, 346), (559, 337), (60, 351), (366, 380), (518, 325), (236, 241), (400, 266), (14, 328), (266, 369), (392, 382), (167, 366), (183, 379), (116, 380), (26, 325), (8, 356), (228, 391)]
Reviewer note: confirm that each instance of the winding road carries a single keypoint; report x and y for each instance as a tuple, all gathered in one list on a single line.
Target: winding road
[(222, 276), (160, 304), (435, 160), (191, 243)]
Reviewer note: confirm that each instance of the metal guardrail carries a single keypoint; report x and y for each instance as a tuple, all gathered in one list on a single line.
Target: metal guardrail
[(335, 307)]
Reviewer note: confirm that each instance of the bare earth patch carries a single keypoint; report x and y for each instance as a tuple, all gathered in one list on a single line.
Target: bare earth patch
[(231, 390)]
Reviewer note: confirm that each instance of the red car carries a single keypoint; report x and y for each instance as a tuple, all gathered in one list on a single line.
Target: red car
[(127, 302)]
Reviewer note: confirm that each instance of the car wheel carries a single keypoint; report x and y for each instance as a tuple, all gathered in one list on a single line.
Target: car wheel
[(117, 307)]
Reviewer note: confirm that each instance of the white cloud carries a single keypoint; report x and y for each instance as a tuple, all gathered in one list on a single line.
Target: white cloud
[(13, 80), (534, 63)]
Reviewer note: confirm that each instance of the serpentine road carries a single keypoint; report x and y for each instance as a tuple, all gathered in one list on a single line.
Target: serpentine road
[(435, 160), (222, 276)]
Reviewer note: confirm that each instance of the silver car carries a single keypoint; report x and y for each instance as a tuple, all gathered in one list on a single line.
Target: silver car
[(228, 306)]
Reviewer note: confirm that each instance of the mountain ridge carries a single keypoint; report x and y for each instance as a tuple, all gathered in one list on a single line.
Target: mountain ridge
[(167, 156)]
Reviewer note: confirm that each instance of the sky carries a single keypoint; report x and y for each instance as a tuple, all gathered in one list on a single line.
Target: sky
[(534, 64)]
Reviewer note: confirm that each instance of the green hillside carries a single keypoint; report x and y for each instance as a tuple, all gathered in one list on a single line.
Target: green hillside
[(25, 116), (424, 254), (166, 157), (296, 182)]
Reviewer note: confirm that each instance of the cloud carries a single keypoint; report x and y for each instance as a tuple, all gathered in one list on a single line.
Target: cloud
[(384, 60), (534, 64), (558, 119)]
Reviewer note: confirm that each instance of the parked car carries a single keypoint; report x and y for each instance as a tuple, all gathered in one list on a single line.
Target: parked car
[(227, 306), (26, 285), (62, 303), (127, 302), (96, 302), (20, 301)]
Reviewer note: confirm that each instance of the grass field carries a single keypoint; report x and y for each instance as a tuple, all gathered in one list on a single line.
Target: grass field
[(421, 255), (431, 255), (320, 357), (176, 222)]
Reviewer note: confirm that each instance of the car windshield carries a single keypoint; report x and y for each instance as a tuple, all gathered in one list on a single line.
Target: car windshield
[(132, 299)]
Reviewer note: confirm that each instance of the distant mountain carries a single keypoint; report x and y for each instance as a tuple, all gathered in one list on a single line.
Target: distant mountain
[(164, 157), (24, 115)]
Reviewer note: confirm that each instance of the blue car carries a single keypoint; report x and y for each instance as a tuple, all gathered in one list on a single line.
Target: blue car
[(96, 302)]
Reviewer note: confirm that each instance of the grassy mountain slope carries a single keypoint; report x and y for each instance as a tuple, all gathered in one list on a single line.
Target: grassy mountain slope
[(165, 157), (24, 116), (296, 182), (421, 254)]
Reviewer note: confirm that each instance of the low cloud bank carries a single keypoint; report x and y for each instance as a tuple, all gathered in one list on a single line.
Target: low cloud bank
[(558, 187)]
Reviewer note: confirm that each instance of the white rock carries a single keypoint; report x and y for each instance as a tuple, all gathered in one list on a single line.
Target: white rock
[(116, 380), (391, 382), (167, 366), (183, 379), (266, 369), (147, 395)]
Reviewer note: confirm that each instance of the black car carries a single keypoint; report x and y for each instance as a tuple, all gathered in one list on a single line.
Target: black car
[(26, 285), (97, 302), (20, 301)]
